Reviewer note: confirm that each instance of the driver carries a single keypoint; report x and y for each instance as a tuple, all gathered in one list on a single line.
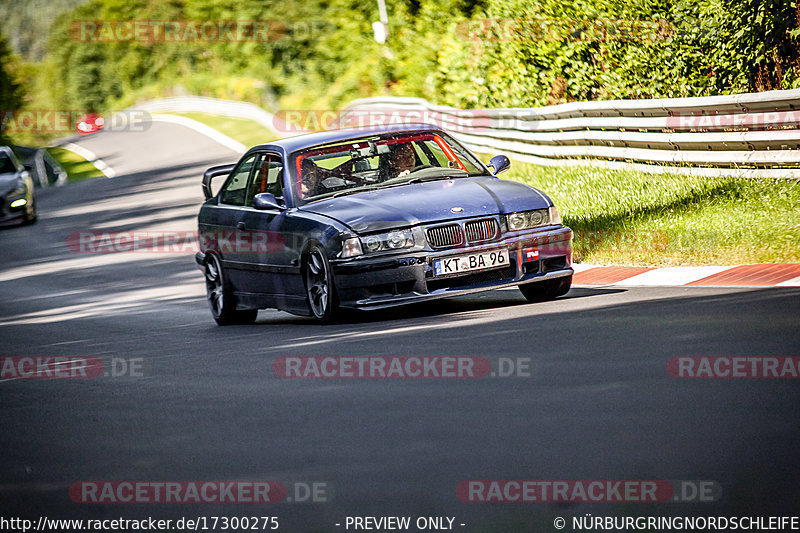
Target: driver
[(309, 178), (402, 159)]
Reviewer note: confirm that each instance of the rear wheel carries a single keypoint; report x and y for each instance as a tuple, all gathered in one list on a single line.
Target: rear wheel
[(546, 290), (220, 297), (320, 292)]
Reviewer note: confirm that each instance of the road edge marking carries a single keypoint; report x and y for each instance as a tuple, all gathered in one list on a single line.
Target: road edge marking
[(203, 129), (683, 276), (91, 157)]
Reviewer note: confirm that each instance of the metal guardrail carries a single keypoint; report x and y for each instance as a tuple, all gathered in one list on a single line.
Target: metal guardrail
[(748, 135)]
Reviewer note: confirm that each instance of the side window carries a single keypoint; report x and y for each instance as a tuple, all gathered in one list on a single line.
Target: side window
[(267, 178), (7, 165), (235, 189), (435, 155), (422, 156)]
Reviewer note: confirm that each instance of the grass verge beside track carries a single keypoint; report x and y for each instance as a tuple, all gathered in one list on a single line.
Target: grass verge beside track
[(77, 168), (632, 217), (247, 132)]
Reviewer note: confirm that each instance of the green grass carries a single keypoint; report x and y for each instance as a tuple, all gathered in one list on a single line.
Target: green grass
[(77, 167), (247, 132), (631, 217)]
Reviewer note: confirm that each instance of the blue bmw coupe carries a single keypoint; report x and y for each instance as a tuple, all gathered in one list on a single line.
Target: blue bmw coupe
[(368, 218)]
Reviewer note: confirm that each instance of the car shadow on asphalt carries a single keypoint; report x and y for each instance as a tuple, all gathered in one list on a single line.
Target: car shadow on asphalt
[(444, 307)]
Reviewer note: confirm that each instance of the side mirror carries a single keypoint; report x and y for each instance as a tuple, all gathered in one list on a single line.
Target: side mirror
[(212, 173), (499, 163), (264, 201)]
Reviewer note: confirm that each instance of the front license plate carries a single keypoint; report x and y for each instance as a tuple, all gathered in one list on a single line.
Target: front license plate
[(469, 262)]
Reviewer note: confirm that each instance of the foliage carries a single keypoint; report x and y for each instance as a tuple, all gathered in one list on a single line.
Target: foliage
[(466, 53), (27, 24), (10, 91), (538, 52)]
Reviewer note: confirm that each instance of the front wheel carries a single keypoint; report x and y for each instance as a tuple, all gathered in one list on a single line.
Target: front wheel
[(30, 213), (320, 292), (546, 290), (220, 297)]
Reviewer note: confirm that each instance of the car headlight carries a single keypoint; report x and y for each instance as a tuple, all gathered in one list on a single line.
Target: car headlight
[(531, 219), (393, 240), (351, 247), (555, 218)]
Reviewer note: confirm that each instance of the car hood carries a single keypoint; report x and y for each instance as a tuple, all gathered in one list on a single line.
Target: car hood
[(429, 202), (8, 182)]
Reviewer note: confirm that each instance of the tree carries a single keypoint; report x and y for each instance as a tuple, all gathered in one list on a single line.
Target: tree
[(11, 95)]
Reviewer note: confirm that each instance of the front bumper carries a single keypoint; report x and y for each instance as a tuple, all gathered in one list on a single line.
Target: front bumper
[(12, 220), (14, 215), (375, 282)]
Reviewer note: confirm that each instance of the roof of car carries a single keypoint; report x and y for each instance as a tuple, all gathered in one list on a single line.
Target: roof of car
[(8, 152), (290, 144)]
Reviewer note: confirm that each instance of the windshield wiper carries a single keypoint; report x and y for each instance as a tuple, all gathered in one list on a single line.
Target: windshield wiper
[(354, 190), (428, 174), (420, 179), (450, 173)]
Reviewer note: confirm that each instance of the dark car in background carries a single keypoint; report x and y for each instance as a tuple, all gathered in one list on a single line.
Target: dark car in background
[(45, 171), (371, 218), (17, 202)]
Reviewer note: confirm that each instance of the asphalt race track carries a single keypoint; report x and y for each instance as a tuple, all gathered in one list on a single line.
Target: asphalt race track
[(185, 400)]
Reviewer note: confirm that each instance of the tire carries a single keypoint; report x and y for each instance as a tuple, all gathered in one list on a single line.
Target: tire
[(546, 290), (220, 297), (320, 291)]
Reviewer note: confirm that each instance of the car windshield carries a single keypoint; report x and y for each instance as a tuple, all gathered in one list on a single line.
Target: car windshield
[(380, 161), (6, 164)]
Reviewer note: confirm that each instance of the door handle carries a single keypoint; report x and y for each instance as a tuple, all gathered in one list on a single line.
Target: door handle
[(241, 226)]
